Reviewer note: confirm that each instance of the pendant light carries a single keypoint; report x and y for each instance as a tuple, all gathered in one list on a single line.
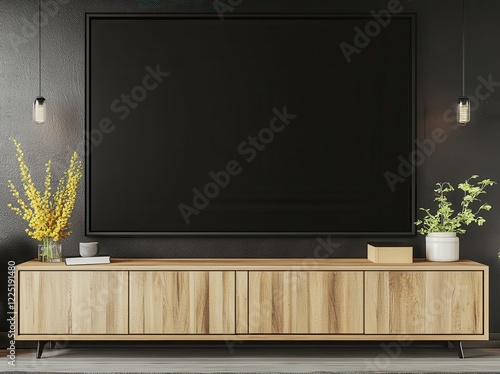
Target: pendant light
[(39, 106), (463, 106)]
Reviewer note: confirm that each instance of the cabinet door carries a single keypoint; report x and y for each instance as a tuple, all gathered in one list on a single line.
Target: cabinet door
[(73, 302), (424, 302), (306, 302), (182, 302)]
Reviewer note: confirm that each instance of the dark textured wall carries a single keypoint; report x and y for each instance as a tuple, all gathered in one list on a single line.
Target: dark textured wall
[(468, 150)]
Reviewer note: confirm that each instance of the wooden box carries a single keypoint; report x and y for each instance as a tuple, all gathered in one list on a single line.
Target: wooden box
[(390, 253)]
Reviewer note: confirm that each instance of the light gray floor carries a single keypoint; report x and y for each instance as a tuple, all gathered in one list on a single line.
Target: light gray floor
[(261, 359)]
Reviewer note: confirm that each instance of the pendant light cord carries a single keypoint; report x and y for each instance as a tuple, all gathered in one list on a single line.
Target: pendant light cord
[(463, 47), (39, 48)]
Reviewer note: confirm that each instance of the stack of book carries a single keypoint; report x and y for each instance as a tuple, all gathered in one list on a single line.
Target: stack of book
[(88, 260)]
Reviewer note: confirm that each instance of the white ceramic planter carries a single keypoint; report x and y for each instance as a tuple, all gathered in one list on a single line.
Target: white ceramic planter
[(442, 246)]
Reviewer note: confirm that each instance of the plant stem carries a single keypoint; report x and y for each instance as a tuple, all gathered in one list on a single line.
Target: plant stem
[(48, 244)]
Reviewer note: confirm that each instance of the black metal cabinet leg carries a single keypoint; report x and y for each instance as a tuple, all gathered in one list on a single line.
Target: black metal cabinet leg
[(39, 348), (458, 346)]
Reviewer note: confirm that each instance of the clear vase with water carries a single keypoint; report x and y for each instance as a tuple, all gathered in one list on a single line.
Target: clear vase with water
[(49, 251)]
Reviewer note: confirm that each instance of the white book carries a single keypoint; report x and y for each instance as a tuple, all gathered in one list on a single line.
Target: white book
[(87, 260)]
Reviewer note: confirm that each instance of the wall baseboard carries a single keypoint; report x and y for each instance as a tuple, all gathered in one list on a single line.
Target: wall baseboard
[(494, 342)]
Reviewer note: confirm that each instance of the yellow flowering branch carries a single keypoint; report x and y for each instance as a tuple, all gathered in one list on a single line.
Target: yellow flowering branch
[(47, 214)]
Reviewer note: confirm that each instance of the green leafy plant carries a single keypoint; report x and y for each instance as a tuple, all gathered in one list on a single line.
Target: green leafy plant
[(444, 219)]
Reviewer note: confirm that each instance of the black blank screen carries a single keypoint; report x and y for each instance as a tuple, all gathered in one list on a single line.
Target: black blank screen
[(322, 172)]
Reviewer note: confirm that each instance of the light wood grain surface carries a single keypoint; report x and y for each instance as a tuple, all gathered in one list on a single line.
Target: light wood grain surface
[(254, 337), (188, 302), (390, 255), (69, 302), (424, 302), (257, 299), (486, 296), (262, 264), (306, 302), (242, 302)]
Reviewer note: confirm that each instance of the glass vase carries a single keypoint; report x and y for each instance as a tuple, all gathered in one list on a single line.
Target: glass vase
[(49, 251)]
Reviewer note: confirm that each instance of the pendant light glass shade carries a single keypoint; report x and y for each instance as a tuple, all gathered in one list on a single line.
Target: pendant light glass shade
[(39, 110), (463, 110)]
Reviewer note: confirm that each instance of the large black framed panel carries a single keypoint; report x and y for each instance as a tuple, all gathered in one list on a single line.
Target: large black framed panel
[(250, 125)]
